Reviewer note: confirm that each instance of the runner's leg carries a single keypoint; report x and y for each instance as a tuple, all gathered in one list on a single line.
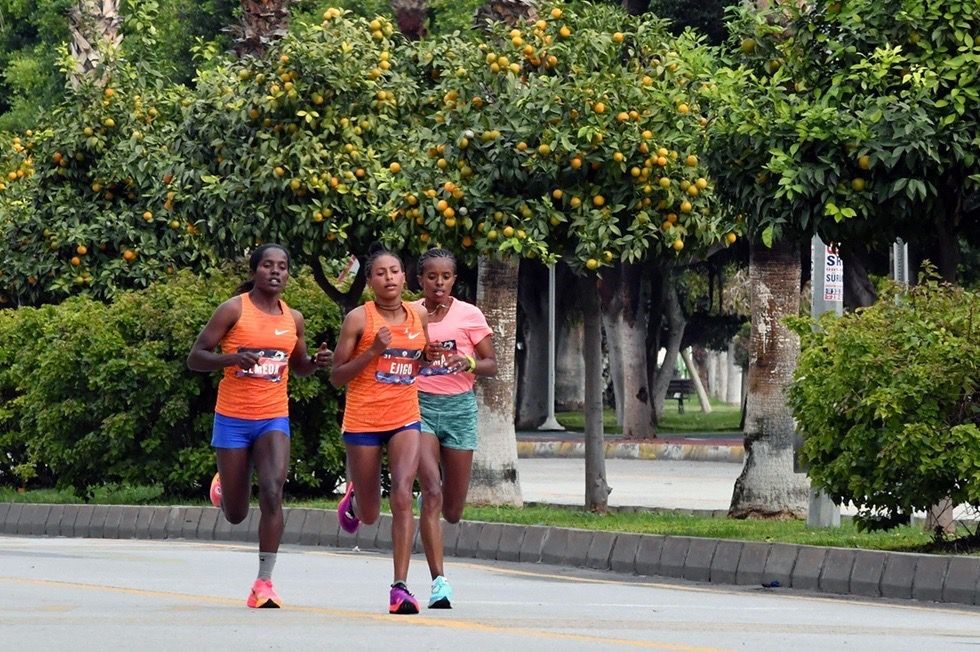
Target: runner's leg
[(235, 469), (403, 462), (429, 525), (271, 455), (457, 465)]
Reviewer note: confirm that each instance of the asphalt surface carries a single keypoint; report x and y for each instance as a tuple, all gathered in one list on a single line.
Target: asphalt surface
[(93, 594)]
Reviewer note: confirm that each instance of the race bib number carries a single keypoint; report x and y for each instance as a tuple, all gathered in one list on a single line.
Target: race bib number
[(398, 366), (271, 365), (440, 366)]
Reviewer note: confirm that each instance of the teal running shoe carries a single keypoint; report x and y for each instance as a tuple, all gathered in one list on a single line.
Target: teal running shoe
[(442, 594)]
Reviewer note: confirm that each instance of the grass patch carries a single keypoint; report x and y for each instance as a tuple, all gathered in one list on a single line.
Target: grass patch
[(723, 418), (904, 539)]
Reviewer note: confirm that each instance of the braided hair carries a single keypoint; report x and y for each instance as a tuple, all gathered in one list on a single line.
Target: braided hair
[(376, 251), (255, 259), (432, 254)]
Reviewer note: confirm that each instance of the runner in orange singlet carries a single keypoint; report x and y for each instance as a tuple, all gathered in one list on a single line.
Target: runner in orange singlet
[(261, 339), (381, 347)]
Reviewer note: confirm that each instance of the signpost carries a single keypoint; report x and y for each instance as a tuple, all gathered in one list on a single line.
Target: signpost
[(827, 281)]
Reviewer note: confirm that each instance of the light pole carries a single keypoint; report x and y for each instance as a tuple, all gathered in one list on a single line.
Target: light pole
[(550, 423)]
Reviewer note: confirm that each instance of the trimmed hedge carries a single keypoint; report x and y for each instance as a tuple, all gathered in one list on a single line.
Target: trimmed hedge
[(96, 394)]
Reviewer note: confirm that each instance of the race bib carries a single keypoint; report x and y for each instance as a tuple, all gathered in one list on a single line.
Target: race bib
[(271, 365), (440, 366), (398, 366)]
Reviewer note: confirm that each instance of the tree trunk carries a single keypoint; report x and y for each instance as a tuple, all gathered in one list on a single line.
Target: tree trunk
[(692, 370), (712, 364), (495, 480), (262, 23), (767, 486), (734, 383), (596, 488), (94, 26), (627, 290), (532, 365), (410, 17), (510, 12), (672, 347), (570, 365), (636, 7), (859, 291)]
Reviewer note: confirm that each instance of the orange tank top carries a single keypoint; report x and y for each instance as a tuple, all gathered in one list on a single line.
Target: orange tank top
[(384, 395), (259, 392)]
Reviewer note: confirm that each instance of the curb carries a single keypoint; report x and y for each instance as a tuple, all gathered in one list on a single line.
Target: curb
[(840, 571), (666, 450)]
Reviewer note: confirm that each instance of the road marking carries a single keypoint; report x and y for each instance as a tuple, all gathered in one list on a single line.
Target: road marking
[(347, 614)]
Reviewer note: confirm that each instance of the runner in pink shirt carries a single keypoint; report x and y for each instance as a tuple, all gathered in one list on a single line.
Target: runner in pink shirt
[(448, 407)]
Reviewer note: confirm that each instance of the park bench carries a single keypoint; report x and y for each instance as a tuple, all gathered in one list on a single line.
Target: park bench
[(678, 388)]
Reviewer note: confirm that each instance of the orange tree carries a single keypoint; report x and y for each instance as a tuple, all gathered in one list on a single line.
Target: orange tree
[(853, 119), (300, 146), (577, 135), (88, 207)]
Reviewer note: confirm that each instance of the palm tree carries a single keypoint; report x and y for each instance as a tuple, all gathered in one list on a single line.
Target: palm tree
[(410, 17), (768, 485), (95, 36), (263, 21)]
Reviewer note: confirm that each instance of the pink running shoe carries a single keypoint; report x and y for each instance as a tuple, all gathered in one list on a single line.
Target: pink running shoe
[(400, 601), (263, 596), (345, 511), (216, 491)]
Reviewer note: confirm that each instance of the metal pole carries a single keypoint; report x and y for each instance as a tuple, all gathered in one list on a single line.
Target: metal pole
[(550, 423), (827, 287)]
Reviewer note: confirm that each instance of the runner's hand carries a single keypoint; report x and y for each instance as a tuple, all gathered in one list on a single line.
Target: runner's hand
[(382, 340), (245, 359), (323, 356)]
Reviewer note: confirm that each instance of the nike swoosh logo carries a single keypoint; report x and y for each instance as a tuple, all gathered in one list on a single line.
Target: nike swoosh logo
[(412, 336), (279, 332)]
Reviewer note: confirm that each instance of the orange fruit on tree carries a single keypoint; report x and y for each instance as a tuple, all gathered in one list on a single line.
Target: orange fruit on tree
[(76, 261), (677, 244), (395, 167), (598, 200), (864, 162), (691, 160), (129, 255), (592, 264), (599, 107), (618, 37), (731, 238), (508, 232), (81, 250)]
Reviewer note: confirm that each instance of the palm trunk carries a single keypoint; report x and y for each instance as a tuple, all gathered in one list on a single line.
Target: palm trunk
[(495, 480), (410, 17), (263, 21), (767, 486), (94, 26)]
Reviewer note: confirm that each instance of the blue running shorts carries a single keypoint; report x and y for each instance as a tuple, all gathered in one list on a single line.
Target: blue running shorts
[(230, 432)]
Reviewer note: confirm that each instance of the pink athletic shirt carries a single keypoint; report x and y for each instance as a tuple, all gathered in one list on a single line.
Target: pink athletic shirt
[(460, 330)]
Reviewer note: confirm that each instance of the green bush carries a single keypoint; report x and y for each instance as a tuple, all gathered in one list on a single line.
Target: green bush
[(887, 400), (98, 393)]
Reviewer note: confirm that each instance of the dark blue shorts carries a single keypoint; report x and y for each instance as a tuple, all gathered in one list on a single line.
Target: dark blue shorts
[(377, 438), (231, 432)]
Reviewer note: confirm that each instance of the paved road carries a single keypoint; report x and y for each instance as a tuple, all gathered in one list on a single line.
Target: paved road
[(87, 594)]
